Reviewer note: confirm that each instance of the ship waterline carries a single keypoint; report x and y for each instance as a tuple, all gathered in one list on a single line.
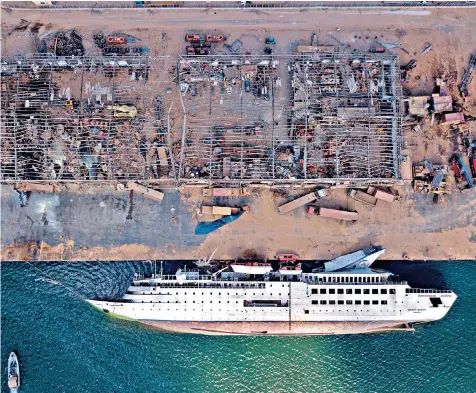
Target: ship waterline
[(278, 328)]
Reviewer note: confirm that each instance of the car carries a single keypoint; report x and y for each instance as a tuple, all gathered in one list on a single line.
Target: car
[(192, 38), (215, 38), (113, 40), (247, 85)]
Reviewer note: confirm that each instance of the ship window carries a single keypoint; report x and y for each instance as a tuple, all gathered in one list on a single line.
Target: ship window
[(306, 311), (366, 302), (374, 291), (358, 291), (340, 302), (366, 291), (348, 302), (314, 291), (392, 291), (332, 291), (374, 301), (323, 291), (358, 302), (194, 301), (176, 293), (352, 279), (340, 291), (194, 293), (219, 293), (320, 279), (283, 285), (332, 302), (228, 301), (348, 291), (314, 302), (279, 294), (383, 291), (360, 279), (202, 301), (323, 302), (237, 301), (383, 302)]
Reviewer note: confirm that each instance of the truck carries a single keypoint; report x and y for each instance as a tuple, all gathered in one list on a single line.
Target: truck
[(195, 38), (363, 197), (197, 50), (461, 169)]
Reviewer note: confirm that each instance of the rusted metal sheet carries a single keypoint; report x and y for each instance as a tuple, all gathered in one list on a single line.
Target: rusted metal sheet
[(384, 196), (147, 192), (287, 207)]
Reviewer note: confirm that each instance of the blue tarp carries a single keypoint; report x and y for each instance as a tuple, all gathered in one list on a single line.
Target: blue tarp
[(204, 228)]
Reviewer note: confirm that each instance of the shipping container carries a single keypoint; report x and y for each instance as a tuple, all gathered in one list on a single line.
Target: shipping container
[(338, 214)]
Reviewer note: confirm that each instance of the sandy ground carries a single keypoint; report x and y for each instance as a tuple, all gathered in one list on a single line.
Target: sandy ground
[(94, 226), (411, 226)]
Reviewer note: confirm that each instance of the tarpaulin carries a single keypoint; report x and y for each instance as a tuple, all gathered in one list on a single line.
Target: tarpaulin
[(204, 228)]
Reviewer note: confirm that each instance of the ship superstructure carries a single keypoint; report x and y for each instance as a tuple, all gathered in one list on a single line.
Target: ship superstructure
[(345, 301)]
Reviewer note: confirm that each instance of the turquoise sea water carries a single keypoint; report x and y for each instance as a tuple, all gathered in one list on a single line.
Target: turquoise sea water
[(65, 345)]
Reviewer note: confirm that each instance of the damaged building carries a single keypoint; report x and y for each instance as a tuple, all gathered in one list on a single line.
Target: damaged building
[(325, 117)]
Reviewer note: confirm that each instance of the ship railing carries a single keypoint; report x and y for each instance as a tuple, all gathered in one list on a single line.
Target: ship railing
[(205, 285), (419, 290), (388, 282)]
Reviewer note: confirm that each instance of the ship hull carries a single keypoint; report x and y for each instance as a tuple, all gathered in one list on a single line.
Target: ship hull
[(279, 328)]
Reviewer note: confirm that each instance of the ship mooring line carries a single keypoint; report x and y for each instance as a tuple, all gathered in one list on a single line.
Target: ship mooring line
[(57, 281)]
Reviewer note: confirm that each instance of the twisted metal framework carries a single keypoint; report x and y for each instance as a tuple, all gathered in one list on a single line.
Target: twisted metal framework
[(326, 118), (250, 5), (220, 119)]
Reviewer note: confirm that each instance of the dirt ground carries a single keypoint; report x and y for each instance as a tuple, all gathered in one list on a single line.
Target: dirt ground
[(411, 226)]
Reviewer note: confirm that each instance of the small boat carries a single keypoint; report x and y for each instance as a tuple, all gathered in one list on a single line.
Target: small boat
[(13, 373), (287, 257), (252, 267), (290, 269)]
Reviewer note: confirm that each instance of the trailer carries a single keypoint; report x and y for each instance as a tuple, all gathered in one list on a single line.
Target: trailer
[(338, 214), (287, 207)]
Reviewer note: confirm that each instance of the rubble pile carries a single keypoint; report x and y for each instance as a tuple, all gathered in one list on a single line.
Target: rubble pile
[(66, 121)]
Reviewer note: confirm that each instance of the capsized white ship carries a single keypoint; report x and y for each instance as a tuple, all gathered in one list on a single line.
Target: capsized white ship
[(360, 300)]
